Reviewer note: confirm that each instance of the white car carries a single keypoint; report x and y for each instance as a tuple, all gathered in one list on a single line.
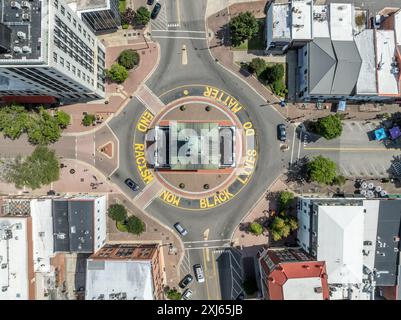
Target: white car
[(377, 21), (186, 295), (199, 273)]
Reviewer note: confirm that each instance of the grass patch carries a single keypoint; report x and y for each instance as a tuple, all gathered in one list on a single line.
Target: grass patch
[(255, 43), (121, 226), (122, 6)]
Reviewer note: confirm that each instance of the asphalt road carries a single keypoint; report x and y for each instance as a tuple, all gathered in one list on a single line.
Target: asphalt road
[(201, 69)]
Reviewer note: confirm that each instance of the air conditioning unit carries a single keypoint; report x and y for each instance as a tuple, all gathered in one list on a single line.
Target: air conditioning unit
[(17, 49), (25, 4), (21, 35), (15, 5), (8, 56), (18, 226), (26, 17), (26, 49)]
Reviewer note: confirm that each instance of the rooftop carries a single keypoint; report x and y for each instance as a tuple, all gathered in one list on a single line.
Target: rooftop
[(388, 71), (281, 21), (92, 4), (21, 22), (397, 27), (341, 15), (301, 25), (340, 242), (118, 280), (14, 258), (73, 225), (320, 21)]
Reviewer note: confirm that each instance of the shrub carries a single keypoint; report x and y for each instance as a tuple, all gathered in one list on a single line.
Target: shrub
[(275, 73), (127, 17), (117, 212), (256, 228), (117, 73), (360, 20), (63, 118), (173, 294), (142, 16), (282, 226), (322, 170), (135, 225), (128, 58), (285, 199), (339, 180), (88, 119), (279, 88), (329, 127), (257, 66), (125, 25)]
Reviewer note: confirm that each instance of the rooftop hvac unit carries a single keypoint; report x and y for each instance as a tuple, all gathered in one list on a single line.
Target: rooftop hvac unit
[(21, 35), (26, 49), (26, 17), (17, 49), (8, 56), (15, 5), (314, 233), (4, 265), (18, 226), (4, 289), (25, 4)]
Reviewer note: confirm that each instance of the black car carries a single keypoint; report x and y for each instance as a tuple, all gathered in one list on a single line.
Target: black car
[(156, 10), (186, 281), (150, 2), (281, 133), (131, 184)]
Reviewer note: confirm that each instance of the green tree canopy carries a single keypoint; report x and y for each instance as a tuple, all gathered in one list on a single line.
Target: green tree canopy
[(117, 73), (243, 27), (329, 127), (282, 226), (40, 168), (63, 118), (44, 130), (128, 58), (88, 119), (322, 170), (274, 73), (256, 228), (142, 16), (117, 212), (173, 294), (285, 199), (257, 66), (135, 225)]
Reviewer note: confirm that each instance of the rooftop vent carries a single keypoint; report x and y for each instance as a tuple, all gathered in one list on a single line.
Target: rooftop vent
[(26, 17), (26, 49), (25, 4), (17, 49), (15, 5), (21, 35)]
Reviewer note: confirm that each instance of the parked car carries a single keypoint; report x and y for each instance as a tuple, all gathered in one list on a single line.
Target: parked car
[(186, 281), (186, 295), (150, 2), (181, 230), (377, 21), (131, 184), (281, 132), (199, 273), (156, 10)]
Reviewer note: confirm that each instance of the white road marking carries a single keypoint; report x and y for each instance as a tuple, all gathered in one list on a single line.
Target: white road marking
[(206, 241), (292, 149), (209, 247), (369, 126), (360, 127), (170, 37), (344, 170), (384, 168), (374, 169), (182, 31), (299, 145)]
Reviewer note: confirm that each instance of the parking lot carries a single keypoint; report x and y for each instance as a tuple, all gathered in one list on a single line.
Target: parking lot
[(356, 153)]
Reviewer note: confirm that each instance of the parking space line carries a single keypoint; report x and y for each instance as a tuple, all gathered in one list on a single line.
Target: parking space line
[(374, 169), (349, 125), (360, 127), (293, 143), (367, 173), (299, 145), (344, 170), (369, 126), (238, 264), (384, 168)]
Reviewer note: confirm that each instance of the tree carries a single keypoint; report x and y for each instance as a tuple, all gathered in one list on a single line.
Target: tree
[(243, 27), (13, 121), (135, 225), (257, 66), (117, 73), (322, 170), (63, 118), (88, 119), (274, 73), (44, 130), (128, 16), (329, 127), (173, 294), (40, 168), (117, 212), (282, 226), (250, 286), (128, 58), (142, 16), (339, 180), (284, 200), (256, 228)]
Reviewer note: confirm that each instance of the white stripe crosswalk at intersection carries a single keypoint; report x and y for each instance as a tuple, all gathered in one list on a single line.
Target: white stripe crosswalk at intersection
[(161, 20)]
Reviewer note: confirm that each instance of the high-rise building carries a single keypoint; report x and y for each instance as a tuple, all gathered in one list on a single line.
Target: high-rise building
[(48, 51)]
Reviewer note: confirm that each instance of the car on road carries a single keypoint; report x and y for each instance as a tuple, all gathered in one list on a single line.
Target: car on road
[(131, 184), (186, 295), (156, 10), (150, 2), (186, 281), (181, 230), (199, 273), (281, 132)]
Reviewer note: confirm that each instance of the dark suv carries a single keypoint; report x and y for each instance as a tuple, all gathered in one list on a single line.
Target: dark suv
[(156, 10), (281, 133), (186, 281), (131, 184)]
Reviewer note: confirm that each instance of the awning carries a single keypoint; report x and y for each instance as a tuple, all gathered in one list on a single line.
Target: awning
[(380, 134), (29, 99), (395, 132), (341, 105)]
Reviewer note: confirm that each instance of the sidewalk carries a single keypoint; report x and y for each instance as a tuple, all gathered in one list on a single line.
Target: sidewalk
[(116, 95), (220, 43)]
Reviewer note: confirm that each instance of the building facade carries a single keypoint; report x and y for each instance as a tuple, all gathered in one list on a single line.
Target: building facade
[(49, 51)]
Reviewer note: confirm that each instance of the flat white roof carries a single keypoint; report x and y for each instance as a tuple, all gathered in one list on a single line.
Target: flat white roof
[(42, 234), (367, 75), (108, 277), (302, 289), (281, 21), (385, 56), (341, 15), (301, 27), (397, 27), (320, 21), (370, 230), (14, 259), (340, 242)]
